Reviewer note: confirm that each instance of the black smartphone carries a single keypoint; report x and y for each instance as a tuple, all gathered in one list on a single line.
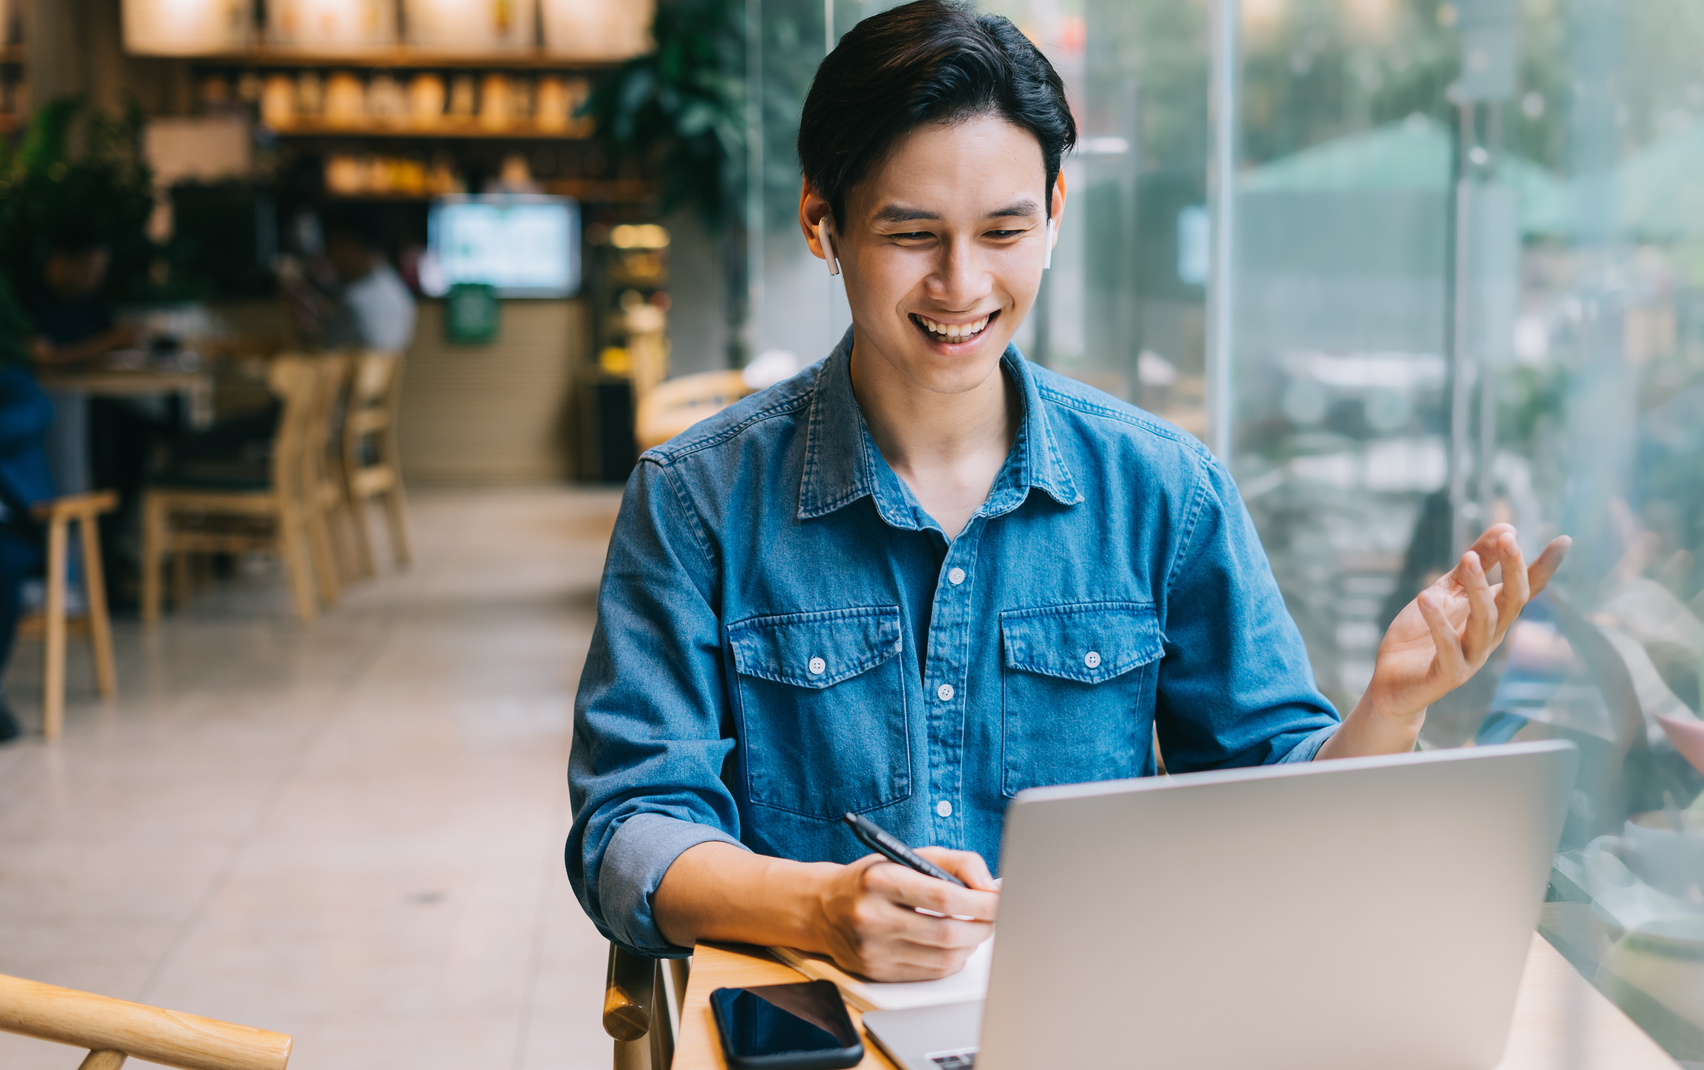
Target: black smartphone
[(801, 1026)]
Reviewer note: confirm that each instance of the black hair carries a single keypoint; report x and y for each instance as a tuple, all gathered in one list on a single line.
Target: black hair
[(358, 223), (76, 237), (933, 61)]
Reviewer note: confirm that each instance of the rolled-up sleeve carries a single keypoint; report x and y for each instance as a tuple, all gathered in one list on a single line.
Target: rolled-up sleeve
[(1235, 686), (645, 767)]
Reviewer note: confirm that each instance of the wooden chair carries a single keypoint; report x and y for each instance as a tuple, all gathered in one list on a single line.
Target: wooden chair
[(325, 499), (371, 460), (231, 507), (640, 1013), (674, 405), (53, 623), (113, 1030)]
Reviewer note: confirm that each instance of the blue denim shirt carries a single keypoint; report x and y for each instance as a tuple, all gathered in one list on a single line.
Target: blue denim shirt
[(785, 635)]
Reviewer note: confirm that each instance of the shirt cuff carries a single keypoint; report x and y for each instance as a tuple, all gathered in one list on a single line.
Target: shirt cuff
[(638, 855), (1309, 746)]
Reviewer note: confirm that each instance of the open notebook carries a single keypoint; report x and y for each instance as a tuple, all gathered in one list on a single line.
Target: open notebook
[(969, 983)]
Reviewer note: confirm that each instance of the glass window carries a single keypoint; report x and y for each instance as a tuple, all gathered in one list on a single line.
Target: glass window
[(1465, 286), (1453, 275)]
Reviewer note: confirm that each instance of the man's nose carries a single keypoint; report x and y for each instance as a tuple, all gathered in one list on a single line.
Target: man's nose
[(960, 278)]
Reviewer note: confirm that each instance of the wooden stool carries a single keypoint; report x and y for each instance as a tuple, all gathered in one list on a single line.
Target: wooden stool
[(52, 622)]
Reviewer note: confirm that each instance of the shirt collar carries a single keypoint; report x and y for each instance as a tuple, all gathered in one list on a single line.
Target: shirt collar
[(842, 463)]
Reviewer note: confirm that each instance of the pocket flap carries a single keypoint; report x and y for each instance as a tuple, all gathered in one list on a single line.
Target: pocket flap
[(1088, 643), (815, 649)]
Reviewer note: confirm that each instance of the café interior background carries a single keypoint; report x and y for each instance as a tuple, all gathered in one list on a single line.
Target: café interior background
[(1410, 266)]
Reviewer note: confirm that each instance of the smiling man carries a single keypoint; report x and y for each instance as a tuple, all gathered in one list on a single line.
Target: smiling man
[(924, 574)]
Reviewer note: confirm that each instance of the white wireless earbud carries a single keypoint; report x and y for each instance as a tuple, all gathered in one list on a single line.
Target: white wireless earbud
[(1045, 264), (827, 246)]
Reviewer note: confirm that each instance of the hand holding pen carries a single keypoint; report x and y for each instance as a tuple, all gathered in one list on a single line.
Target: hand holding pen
[(896, 850), (890, 922)]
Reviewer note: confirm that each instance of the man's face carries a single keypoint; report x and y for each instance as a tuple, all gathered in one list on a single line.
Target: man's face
[(943, 250), (76, 274)]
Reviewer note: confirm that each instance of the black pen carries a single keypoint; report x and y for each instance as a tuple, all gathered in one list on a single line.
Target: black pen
[(892, 848)]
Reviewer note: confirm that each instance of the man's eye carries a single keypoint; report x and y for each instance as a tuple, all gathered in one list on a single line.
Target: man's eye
[(1004, 233), (912, 235)]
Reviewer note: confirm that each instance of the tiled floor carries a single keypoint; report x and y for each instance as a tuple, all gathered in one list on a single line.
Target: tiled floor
[(350, 832)]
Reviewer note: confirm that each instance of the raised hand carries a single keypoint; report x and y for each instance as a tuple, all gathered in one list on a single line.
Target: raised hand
[(1442, 638)]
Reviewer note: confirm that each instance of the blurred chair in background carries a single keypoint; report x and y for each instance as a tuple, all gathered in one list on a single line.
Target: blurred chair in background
[(235, 506), (667, 408), (371, 465), (325, 501), (55, 621), (674, 405)]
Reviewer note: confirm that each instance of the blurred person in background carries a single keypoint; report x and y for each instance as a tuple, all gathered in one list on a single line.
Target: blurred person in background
[(25, 416), (74, 324), (360, 302)]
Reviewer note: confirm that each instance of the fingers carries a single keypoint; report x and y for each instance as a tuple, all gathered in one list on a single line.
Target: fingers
[(905, 960), (1515, 590), (1538, 576), (1451, 662), (912, 889), (1486, 545), (1481, 626), (938, 940), (878, 929), (967, 866)]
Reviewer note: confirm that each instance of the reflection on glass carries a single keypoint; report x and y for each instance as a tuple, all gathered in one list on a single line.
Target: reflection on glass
[(1470, 278)]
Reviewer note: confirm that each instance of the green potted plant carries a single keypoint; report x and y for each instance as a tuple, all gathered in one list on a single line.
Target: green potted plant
[(678, 112), (47, 180)]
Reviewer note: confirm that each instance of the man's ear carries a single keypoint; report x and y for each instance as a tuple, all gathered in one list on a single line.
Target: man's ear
[(1056, 210), (817, 224), (826, 239)]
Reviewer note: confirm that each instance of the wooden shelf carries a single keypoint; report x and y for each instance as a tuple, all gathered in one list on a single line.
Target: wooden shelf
[(597, 190), (461, 130), (404, 57), (606, 190)]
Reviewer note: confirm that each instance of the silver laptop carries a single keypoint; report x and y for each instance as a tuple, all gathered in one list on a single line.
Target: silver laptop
[(1346, 914)]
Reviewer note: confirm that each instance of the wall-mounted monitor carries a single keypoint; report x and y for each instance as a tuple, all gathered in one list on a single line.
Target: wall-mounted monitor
[(523, 244)]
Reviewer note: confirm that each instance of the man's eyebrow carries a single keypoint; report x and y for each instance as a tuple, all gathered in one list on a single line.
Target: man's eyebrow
[(1025, 207), (899, 213)]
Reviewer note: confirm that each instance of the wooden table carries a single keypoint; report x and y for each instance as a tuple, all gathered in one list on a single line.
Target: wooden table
[(196, 388), (1561, 1021)]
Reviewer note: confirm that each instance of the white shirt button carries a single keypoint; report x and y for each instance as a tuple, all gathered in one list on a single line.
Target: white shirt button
[(945, 692), (1091, 659), (944, 808), (955, 576), (817, 666)]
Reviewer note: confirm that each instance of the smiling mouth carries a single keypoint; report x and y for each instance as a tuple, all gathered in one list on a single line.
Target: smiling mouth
[(953, 333)]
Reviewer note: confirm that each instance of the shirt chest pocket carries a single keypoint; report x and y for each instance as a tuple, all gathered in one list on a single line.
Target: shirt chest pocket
[(1078, 692), (822, 710)]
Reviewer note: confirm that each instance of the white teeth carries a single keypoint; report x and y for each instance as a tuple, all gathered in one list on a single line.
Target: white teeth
[(954, 332)]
